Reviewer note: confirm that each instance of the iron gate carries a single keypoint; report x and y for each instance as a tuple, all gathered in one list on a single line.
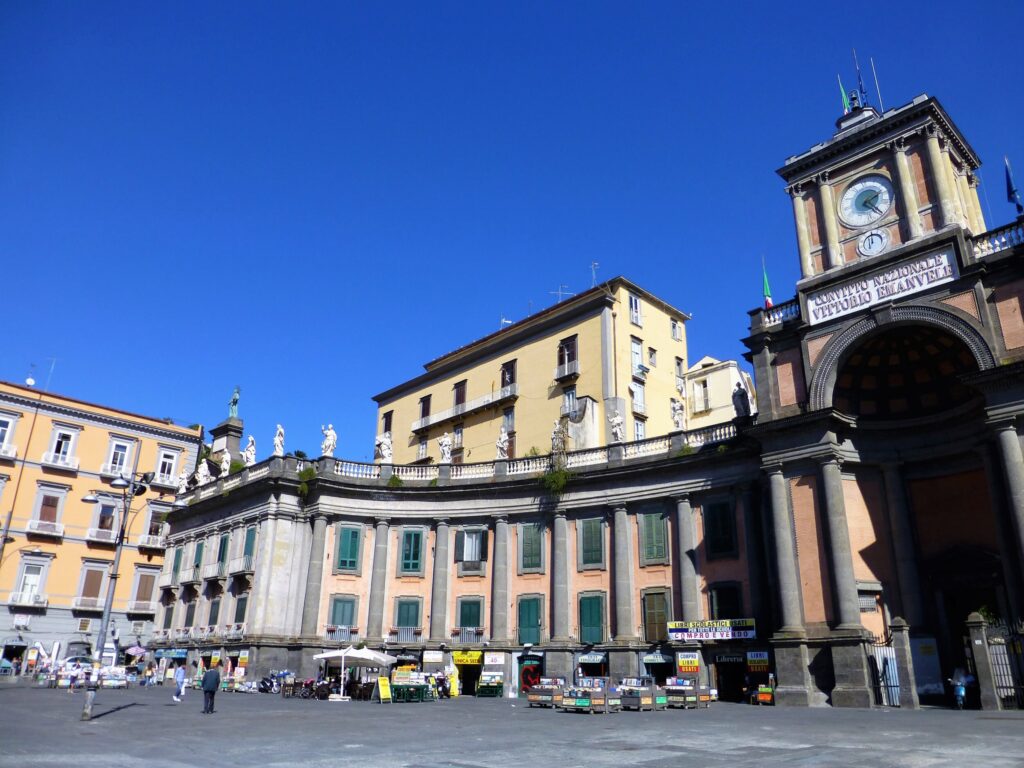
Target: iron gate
[(884, 675), (1006, 651)]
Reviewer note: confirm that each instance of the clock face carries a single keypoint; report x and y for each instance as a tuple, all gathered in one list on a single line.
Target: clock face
[(866, 201), (873, 243)]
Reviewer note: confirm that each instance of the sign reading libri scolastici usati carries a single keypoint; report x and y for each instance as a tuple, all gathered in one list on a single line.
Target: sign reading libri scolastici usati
[(715, 629)]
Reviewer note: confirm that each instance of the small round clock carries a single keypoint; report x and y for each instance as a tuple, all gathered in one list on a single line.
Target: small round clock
[(866, 201), (873, 243)]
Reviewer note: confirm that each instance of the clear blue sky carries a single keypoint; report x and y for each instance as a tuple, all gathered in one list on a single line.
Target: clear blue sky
[(312, 200)]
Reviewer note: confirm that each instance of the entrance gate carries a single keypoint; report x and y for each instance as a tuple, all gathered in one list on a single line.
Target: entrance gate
[(884, 675), (1006, 651)]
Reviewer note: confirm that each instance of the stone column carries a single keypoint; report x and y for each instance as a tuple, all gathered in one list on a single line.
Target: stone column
[(755, 568), (828, 215), (378, 582), (908, 192), (974, 202), (560, 579), (1006, 527), (499, 581), (963, 188), (904, 663), (314, 577), (939, 176), (439, 583), (903, 546), (954, 188), (1013, 470), (976, 627), (688, 593), (803, 237), (785, 554), (625, 622), (840, 554)]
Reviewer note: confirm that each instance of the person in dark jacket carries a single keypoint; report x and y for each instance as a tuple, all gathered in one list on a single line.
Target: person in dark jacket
[(211, 682)]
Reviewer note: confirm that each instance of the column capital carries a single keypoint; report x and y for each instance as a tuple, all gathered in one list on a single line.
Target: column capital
[(617, 506), (500, 517), (1005, 424), (931, 131), (821, 179), (774, 468), (382, 520), (899, 144), (824, 461), (681, 497), (796, 189), (439, 521)]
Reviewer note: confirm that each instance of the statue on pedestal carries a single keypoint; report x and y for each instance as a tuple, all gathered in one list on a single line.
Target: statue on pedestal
[(183, 482), (330, 440), (279, 441), (383, 447), (233, 403), (678, 414), (741, 400), (444, 442), (203, 475), (502, 443), (249, 454), (618, 432), (225, 463)]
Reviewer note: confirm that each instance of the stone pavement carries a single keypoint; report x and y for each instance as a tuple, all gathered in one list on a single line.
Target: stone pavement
[(40, 727)]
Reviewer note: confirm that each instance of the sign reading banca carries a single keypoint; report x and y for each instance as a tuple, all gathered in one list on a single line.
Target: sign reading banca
[(888, 284), (720, 629)]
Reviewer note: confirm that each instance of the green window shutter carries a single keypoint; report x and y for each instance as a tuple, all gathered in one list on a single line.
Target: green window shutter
[(469, 613), (250, 542), (177, 560), (532, 538), (408, 613), (222, 549), (348, 549), (240, 605), (214, 612), (198, 560), (655, 617), (168, 616), (411, 541), (590, 620), (654, 537), (593, 545), (529, 620), (190, 613), (343, 612)]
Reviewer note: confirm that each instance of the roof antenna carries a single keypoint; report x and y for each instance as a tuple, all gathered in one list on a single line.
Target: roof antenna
[(593, 273), (53, 364), (503, 322), (563, 290), (878, 91), (30, 380)]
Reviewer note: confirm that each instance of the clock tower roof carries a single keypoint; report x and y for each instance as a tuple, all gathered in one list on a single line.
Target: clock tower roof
[(864, 127)]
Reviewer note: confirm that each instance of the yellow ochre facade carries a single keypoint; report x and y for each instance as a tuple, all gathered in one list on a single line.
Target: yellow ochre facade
[(614, 348), (58, 551)]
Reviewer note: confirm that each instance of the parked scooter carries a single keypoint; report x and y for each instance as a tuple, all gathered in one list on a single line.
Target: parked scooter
[(959, 688), (444, 690)]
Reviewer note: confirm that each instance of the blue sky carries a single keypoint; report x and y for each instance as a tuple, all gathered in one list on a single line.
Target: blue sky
[(312, 200)]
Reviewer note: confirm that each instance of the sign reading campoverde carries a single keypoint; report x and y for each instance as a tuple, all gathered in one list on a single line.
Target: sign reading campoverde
[(889, 284)]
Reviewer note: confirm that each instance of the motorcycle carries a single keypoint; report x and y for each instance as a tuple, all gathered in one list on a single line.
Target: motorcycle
[(959, 688), (272, 682), (444, 690)]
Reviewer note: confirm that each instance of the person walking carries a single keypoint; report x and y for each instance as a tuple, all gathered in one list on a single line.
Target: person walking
[(211, 682), (179, 682)]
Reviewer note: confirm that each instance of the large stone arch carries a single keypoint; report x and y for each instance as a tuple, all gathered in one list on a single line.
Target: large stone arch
[(824, 377)]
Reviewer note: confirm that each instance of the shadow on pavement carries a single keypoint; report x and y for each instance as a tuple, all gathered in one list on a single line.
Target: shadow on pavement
[(117, 709)]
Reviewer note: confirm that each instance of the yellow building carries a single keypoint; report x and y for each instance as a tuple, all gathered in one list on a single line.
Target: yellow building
[(614, 348), (57, 550)]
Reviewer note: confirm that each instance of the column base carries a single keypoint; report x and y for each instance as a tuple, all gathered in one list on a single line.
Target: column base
[(791, 671), (850, 666), (623, 664)]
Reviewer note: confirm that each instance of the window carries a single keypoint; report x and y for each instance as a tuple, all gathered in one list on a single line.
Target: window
[(652, 356), (145, 582), (347, 558), (720, 529), (190, 613), (117, 457), (385, 422), (531, 547), (639, 392), (412, 552), (569, 400), (470, 549), (168, 615), (407, 613), (198, 555), (680, 376), (167, 465), (222, 548), (421, 450), (31, 578), (677, 329), (470, 612), (590, 542), (655, 608), (726, 601), (530, 611), (508, 418), (635, 315), (249, 549), (868, 601), (176, 568), (459, 393), (701, 396), (343, 611), (636, 352), (7, 423), (567, 356), (639, 429), (91, 584), (241, 604), (63, 444), (49, 503), (214, 615), (654, 538), (508, 373), (425, 407), (105, 516), (591, 619), (457, 431)]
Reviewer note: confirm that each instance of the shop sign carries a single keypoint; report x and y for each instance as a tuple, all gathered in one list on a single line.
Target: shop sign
[(889, 284), (243, 659), (757, 661), (214, 659), (433, 657), (467, 657), (721, 629), (656, 658), (32, 655), (687, 662), (172, 653), (729, 658), (384, 690), (492, 659), (594, 657)]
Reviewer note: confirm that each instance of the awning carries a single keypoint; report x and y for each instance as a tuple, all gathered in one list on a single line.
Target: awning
[(594, 657), (359, 657), (657, 657)]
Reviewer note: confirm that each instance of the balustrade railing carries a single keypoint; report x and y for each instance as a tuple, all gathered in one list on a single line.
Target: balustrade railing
[(234, 631), (338, 634), (714, 434), (356, 469), (647, 447), (491, 398), (416, 471), (467, 471), (586, 458), (780, 313), (255, 473), (404, 635), (528, 465), (243, 564), (467, 635), (997, 240)]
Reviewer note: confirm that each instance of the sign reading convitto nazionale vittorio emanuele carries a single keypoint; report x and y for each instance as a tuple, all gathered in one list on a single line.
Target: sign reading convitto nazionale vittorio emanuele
[(715, 629), (893, 282)]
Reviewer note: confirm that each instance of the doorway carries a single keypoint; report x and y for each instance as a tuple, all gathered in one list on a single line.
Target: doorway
[(469, 676), (730, 676)]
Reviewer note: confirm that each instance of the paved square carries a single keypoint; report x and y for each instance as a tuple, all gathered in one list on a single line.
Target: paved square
[(40, 727)]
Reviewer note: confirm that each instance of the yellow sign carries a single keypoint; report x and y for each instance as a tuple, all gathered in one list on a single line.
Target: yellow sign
[(243, 659), (384, 689), (467, 657), (214, 659), (687, 662)]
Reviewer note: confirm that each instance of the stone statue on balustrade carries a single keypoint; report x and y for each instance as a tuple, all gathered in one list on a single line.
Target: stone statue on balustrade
[(279, 441), (249, 453), (203, 475), (618, 431), (233, 403), (383, 447), (502, 443), (741, 401), (183, 482), (678, 414), (330, 440), (225, 463), (444, 442)]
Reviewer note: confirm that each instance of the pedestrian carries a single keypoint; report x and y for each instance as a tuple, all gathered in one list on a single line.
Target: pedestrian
[(73, 675), (179, 682), (149, 675), (211, 682)]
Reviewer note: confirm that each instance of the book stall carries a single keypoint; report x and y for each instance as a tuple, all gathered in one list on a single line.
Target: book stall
[(546, 693), (642, 694), (591, 695)]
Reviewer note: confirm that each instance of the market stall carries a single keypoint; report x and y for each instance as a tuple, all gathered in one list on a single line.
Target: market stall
[(642, 694), (547, 692), (361, 658), (591, 695), (683, 692)]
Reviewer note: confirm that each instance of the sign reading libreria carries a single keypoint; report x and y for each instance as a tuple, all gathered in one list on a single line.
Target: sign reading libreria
[(719, 629), (889, 284)]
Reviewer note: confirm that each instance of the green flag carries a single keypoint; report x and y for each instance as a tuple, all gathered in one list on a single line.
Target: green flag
[(767, 289), (846, 99)]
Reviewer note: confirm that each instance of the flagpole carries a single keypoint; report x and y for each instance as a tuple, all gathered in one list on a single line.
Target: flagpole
[(881, 106)]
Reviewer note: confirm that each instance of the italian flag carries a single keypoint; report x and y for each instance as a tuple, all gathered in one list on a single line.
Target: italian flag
[(846, 99), (767, 289)]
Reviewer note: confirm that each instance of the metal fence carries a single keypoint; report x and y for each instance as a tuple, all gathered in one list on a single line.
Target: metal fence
[(885, 677), (1006, 651)]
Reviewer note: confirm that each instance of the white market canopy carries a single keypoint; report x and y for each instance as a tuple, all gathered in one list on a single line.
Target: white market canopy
[(358, 657)]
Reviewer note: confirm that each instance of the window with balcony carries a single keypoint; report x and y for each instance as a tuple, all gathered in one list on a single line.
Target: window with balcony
[(145, 584), (529, 612), (654, 539), (470, 612), (725, 601), (655, 615), (421, 449), (7, 425), (197, 558), (531, 547), (508, 419), (343, 611), (63, 441), (639, 392), (117, 457), (347, 555), (636, 354), (719, 529), (407, 613), (470, 549), (591, 607), (167, 466), (569, 401), (676, 328), (157, 518), (635, 312), (459, 394), (457, 434), (425, 407), (568, 364), (411, 562), (249, 545), (105, 520), (590, 543), (90, 588), (508, 373), (50, 503), (31, 580), (176, 564)]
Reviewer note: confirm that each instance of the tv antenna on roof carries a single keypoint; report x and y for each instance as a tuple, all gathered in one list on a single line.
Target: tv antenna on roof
[(563, 290), (503, 322), (593, 273)]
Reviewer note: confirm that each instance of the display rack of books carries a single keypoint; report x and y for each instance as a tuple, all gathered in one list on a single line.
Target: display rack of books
[(591, 695), (685, 693), (642, 694), (547, 693)]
